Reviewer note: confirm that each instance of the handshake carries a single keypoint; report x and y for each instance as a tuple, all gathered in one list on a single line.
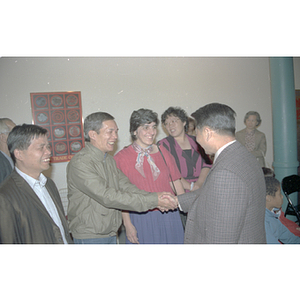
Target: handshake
[(167, 201)]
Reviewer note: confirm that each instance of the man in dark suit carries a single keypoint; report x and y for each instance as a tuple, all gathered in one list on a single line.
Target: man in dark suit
[(6, 163), (230, 205), (31, 211)]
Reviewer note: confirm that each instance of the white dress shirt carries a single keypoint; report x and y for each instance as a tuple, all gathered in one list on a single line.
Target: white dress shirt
[(221, 149)]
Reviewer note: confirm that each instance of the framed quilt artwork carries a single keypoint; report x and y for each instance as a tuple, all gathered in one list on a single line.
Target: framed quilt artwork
[(61, 114)]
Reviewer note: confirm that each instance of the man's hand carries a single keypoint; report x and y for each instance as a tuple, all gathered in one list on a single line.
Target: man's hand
[(167, 201)]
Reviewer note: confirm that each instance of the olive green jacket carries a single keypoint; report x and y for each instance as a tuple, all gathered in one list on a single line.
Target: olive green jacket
[(98, 191)]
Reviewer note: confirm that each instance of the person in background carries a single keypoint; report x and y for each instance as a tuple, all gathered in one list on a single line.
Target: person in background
[(253, 139), (289, 224), (268, 172), (230, 205), (189, 156), (6, 163), (31, 211), (150, 170), (191, 127), (276, 232), (98, 190)]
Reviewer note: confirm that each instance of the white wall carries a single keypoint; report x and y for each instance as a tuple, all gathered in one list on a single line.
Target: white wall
[(121, 85)]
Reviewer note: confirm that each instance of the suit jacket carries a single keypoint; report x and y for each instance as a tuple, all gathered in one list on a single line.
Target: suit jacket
[(260, 144), (230, 205), (5, 167), (23, 217)]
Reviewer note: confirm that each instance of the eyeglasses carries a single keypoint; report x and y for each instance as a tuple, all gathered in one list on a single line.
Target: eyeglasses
[(172, 122)]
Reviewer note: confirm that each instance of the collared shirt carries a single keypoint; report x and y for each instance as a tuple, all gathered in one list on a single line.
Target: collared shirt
[(221, 149), (9, 159), (39, 188)]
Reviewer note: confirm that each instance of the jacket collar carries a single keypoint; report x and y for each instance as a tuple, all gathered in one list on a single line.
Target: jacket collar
[(32, 181), (273, 214), (98, 154), (29, 193), (222, 148)]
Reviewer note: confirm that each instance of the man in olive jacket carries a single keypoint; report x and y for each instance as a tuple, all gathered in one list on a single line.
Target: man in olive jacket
[(98, 190)]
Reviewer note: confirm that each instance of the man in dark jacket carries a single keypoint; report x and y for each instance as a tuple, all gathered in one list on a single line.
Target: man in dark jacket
[(6, 163), (31, 211), (230, 205)]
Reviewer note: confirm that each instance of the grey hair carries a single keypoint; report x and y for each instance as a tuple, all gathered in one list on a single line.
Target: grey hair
[(3, 126), (217, 116), (253, 113)]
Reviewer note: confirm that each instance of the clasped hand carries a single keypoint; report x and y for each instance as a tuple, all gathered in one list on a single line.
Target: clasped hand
[(167, 201)]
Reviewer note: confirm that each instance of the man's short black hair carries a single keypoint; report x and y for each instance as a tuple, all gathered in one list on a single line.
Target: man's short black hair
[(272, 186), (21, 137)]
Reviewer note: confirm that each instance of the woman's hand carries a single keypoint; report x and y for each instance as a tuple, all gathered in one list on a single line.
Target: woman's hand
[(131, 234)]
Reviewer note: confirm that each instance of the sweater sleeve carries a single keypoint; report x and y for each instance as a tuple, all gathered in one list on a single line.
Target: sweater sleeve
[(171, 164)]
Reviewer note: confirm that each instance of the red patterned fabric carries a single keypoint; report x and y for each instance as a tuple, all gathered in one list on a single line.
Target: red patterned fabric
[(290, 225)]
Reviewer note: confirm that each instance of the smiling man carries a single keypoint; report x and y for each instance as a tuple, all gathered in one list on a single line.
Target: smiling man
[(229, 207), (98, 191), (31, 211)]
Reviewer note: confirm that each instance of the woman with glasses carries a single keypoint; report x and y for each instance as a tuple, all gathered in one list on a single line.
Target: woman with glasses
[(152, 171), (190, 157)]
